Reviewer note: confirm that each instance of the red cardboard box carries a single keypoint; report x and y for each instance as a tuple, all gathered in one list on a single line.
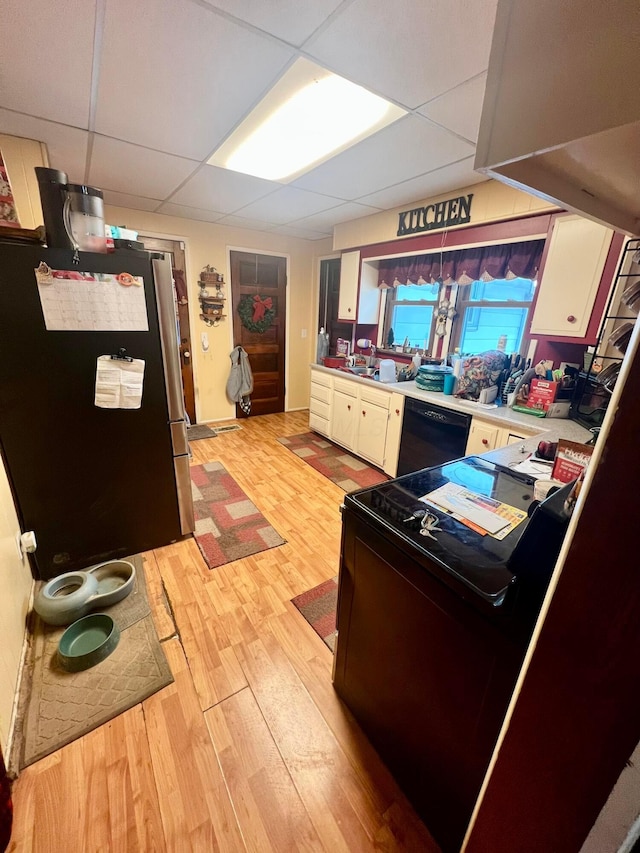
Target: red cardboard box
[(571, 460), (542, 394)]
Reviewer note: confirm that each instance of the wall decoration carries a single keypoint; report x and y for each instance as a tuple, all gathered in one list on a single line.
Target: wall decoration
[(211, 304), (8, 212), (257, 313), (453, 211)]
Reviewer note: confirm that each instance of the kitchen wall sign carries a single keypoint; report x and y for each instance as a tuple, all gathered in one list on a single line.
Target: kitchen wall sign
[(452, 211)]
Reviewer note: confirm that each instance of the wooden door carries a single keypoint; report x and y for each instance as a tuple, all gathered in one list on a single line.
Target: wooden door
[(174, 249), (263, 276)]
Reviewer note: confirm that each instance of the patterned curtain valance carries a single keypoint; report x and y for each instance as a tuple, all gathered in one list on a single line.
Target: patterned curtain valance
[(463, 266)]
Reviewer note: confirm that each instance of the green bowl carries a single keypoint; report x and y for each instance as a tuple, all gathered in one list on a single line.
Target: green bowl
[(87, 642)]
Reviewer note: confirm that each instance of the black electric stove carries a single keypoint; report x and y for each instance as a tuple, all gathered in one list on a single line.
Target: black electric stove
[(480, 562), (432, 632)]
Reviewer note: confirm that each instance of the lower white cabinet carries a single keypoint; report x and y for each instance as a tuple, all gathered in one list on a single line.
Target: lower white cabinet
[(344, 419), (394, 431), (482, 437), (371, 434), (485, 436), (366, 419)]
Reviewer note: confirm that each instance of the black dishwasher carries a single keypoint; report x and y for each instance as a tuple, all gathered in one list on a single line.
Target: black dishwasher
[(430, 436)]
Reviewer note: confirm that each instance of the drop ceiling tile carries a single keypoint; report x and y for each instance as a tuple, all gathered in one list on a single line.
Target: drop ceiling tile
[(46, 58), (242, 222), (289, 20), (213, 188), (342, 213), (288, 204), (422, 49), (189, 212), (405, 149), (302, 233), (452, 177), (133, 201), (459, 110), (66, 146), (176, 76), (130, 169)]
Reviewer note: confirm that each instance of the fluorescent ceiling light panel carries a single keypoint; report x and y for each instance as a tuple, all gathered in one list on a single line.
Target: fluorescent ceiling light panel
[(309, 116)]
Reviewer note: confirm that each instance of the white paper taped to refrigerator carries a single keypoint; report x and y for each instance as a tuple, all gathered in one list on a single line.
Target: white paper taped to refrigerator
[(75, 301), (119, 383)]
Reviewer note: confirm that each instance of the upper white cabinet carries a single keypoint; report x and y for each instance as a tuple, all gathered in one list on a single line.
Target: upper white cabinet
[(561, 115), (349, 275), (359, 295), (570, 277)]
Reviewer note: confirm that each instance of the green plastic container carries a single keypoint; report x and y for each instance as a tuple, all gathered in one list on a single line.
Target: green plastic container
[(87, 642)]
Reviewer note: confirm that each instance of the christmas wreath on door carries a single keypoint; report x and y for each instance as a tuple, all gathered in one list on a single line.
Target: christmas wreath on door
[(256, 313)]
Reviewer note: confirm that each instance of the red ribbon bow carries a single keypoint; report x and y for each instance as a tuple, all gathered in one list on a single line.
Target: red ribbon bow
[(260, 307)]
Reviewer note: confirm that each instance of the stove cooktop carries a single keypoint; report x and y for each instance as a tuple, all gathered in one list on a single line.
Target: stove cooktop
[(480, 562)]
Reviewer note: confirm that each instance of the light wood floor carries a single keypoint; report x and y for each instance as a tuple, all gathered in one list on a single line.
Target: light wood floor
[(249, 749)]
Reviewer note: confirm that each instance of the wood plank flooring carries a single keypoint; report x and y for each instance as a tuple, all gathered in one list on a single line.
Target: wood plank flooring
[(249, 749)]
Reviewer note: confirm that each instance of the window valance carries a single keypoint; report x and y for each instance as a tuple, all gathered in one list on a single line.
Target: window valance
[(463, 266)]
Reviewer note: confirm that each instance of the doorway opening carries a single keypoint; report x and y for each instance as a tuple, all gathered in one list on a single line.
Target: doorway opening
[(328, 308), (258, 294), (174, 249)]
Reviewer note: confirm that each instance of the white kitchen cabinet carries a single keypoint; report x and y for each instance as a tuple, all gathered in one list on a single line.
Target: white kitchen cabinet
[(509, 437), (320, 400), (349, 276), (483, 437), (394, 431), (570, 277), (371, 434), (359, 298), (343, 419)]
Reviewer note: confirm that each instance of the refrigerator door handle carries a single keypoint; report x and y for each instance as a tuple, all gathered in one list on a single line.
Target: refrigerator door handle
[(163, 280), (185, 501), (179, 438)]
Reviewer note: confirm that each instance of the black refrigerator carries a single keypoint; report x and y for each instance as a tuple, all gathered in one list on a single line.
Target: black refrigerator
[(97, 471)]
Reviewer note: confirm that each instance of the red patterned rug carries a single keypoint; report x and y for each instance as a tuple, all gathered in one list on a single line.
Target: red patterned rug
[(318, 606), (341, 467), (228, 525)]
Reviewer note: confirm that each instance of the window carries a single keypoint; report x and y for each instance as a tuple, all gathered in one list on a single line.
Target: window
[(493, 314), (412, 314), (491, 287)]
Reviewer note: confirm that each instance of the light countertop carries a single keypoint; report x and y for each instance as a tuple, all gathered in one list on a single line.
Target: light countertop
[(549, 429)]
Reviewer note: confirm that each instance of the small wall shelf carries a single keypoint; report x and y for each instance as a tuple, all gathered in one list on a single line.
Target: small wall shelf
[(212, 298)]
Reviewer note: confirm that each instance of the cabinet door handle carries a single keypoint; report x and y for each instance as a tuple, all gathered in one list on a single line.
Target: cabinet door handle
[(485, 441), (349, 406), (571, 319), (397, 411), (349, 310), (363, 413)]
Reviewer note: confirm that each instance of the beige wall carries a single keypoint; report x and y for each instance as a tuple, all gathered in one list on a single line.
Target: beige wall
[(15, 591), (492, 202), (20, 157), (207, 243)]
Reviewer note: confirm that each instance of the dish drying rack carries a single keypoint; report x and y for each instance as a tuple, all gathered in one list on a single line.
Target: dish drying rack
[(592, 393)]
